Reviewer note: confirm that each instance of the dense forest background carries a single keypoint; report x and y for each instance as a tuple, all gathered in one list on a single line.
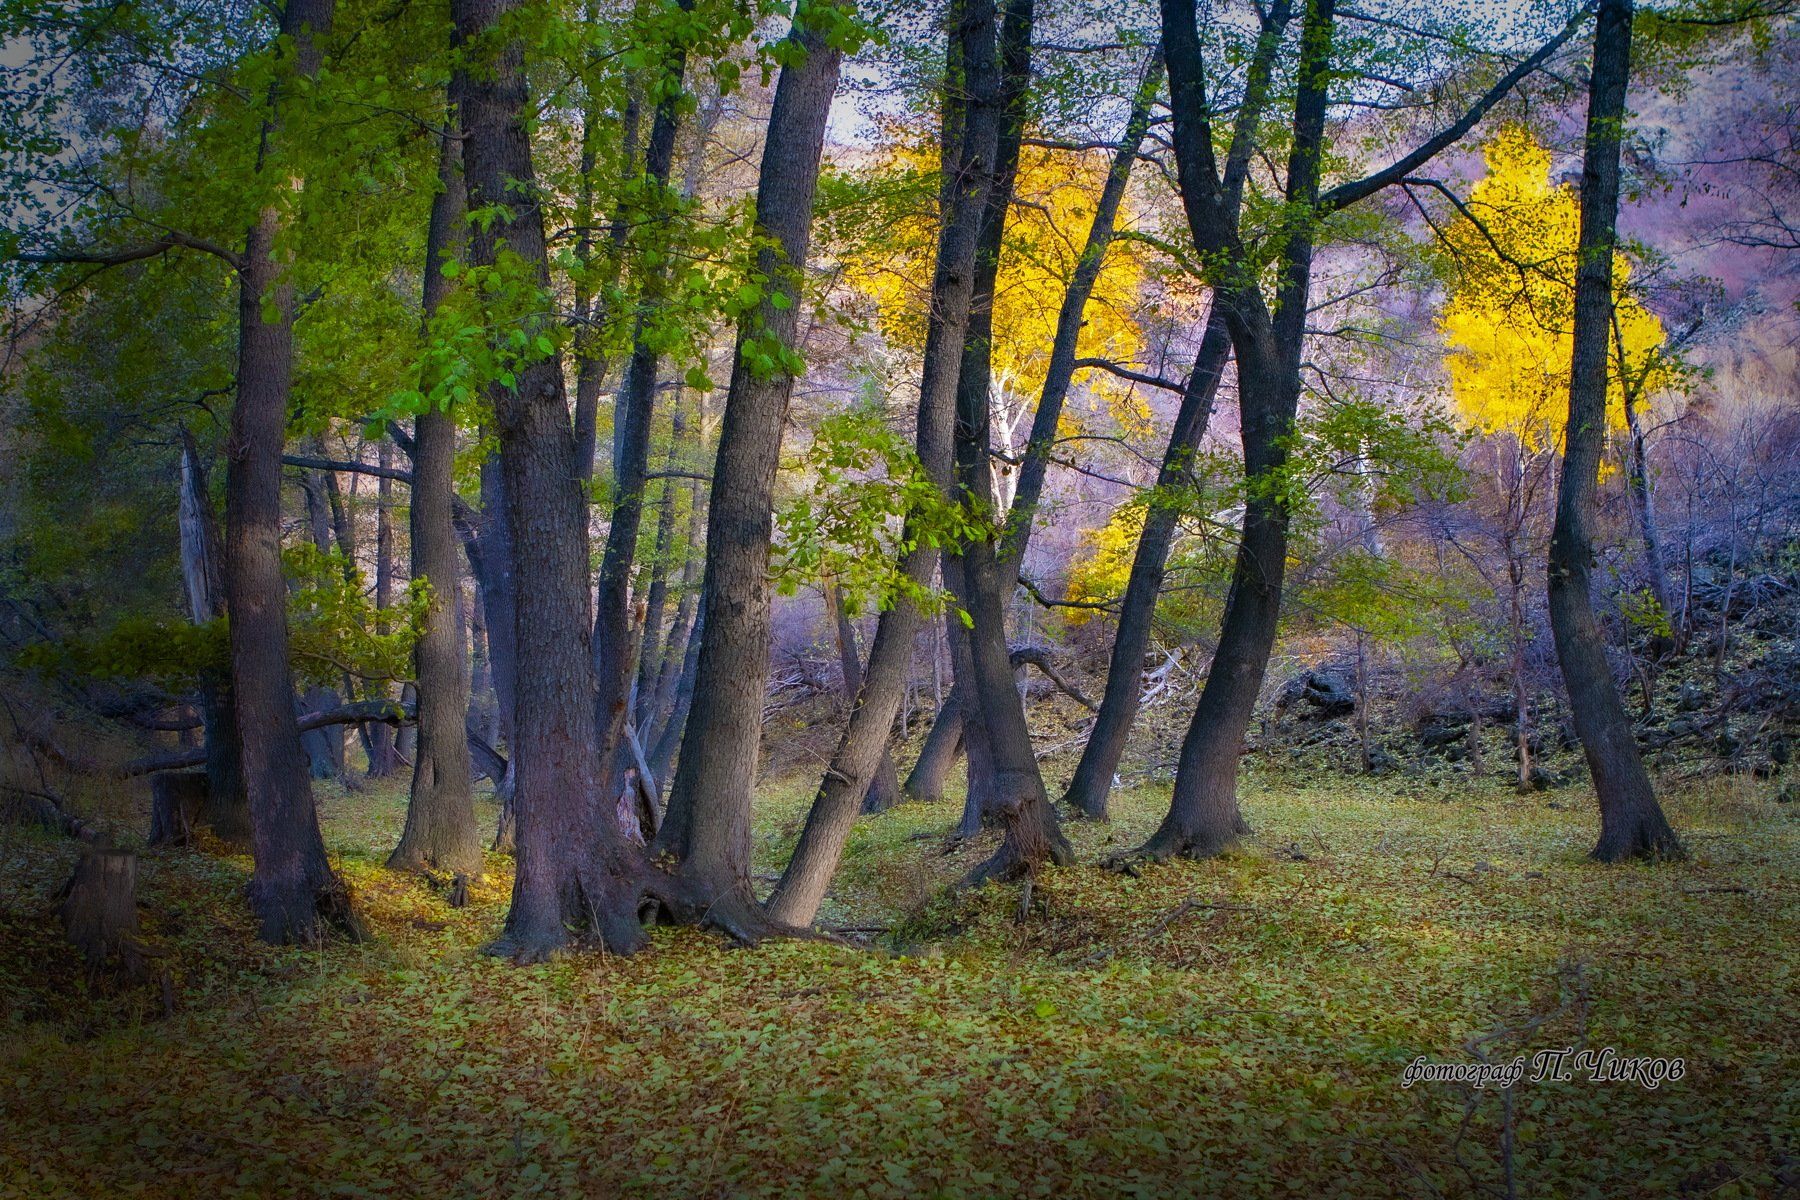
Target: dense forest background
[(1063, 527)]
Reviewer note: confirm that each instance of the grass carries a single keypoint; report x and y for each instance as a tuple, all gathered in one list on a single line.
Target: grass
[(1237, 1027)]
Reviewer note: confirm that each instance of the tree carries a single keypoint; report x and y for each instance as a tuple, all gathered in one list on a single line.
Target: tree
[(440, 813), (575, 868), (707, 828), (971, 119), (1632, 824)]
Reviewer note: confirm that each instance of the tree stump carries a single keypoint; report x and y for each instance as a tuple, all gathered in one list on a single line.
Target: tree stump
[(99, 909), (176, 799)]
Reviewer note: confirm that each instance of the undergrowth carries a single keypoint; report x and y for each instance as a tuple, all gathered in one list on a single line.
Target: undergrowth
[(1237, 1027)]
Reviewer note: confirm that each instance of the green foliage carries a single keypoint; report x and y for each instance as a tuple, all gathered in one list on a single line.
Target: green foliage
[(864, 503), (335, 629)]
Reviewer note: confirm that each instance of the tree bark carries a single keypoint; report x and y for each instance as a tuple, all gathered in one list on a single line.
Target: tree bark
[(884, 788), (971, 133), (681, 701), (615, 642), (440, 813), (1020, 802), (1632, 824), (1203, 817), (226, 808), (380, 738), (945, 741), (99, 911), (651, 653), (293, 890), (1092, 782), (575, 869), (707, 827)]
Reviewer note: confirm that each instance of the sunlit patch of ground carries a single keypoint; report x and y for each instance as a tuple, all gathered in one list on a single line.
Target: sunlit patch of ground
[(1236, 1027)]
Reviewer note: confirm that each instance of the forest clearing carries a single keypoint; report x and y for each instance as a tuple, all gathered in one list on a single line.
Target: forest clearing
[(1239, 1026), (900, 597)]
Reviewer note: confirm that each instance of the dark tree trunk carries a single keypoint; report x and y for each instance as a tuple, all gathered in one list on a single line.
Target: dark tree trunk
[(616, 629), (1105, 746), (176, 801), (682, 643), (575, 870), (590, 303), (707, 827), (293, 889), (971, 130), (226, 808), (884, 788), (99, 909), (943, 744), (1632, 824), (681, 700), (1020, 802), (491, 563), (440, 813), (1203, 816), (382, 761), (978, 776)]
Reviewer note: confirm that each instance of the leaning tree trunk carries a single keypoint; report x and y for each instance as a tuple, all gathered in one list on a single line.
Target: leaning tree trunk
[(884, 788), (707, 828), (971, 131), (1105, 746), (225, 809), (576, 872), (293, 889), (1632, 824), (440, 813)]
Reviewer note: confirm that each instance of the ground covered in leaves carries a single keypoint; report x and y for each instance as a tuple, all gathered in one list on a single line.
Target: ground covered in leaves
[(1238, 1027)]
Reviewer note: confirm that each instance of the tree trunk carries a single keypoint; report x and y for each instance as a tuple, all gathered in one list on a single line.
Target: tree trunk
[(1637, 476), (681, 700), (651, 652), (382, 761), (884, 788), (491, 563), (440, 813), (943, 744), (1105, 746), (1632, 824), (615, 642), (1020, 802), (971, 130), (176, 801), (1203, 816), (681, 632), (707, 827), (99, 911), (226, 808), (293, 889), (575, 870)]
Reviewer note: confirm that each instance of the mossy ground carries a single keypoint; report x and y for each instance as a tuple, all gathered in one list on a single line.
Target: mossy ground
[(1114, 1037)]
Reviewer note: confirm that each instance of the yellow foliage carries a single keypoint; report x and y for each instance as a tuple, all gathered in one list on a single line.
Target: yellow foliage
[(1509, 317), (1102, 565), (1052, 211)]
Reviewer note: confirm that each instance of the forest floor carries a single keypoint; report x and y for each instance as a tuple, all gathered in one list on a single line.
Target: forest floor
[(1238, 1027)]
